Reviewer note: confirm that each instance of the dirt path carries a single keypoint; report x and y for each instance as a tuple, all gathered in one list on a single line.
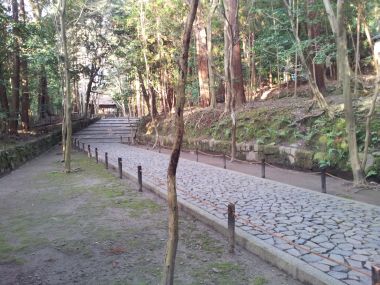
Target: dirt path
[(92, 228), (307, 180)]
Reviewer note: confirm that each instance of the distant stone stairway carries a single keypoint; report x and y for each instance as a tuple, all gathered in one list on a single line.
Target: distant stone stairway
[(111, 130)]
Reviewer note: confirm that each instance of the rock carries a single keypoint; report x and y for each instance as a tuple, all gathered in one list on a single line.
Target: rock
[(321, 266)]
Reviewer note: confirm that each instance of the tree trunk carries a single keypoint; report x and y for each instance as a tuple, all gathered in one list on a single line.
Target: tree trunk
[(227, 86), (210, 58), (252, 63), (144, 92), (15, 80), (153, 102), (25, 102), (202, 62), (238, 81), (295, 9), (371, 113), (93, 73), (357, 51), (318, 96), (337, 25), (171, 247), (4, 106), (314, 31), (67, 90), (43, 97)]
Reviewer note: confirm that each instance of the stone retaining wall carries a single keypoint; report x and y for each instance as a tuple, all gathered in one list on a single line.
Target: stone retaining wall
[(13, 157), (281, 155)]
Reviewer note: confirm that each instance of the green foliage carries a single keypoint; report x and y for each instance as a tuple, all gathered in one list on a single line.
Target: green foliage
[(373, 172), (328, 138)]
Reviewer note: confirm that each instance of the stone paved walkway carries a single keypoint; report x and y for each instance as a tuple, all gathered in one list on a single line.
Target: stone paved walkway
[(337, 236)]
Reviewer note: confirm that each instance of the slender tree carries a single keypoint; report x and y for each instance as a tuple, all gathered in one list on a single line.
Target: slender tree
[(314, 32), (171, 247), (210, 58), (318, 96), (15, 80), (338, 28), (25, 104), (67, 89)]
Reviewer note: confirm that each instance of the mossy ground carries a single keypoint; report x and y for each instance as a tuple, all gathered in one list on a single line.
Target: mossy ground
[(90, 227)]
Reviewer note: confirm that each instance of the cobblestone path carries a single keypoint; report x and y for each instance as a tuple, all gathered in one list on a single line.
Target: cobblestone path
[(337, 236)]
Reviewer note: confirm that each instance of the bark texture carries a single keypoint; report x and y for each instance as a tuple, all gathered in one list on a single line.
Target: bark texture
[(202, 61), (338, 28), (15, 79), (171, 247), (67, 90)]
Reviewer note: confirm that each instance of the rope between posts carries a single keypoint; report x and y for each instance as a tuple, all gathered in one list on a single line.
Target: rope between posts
[(209, 154), (244, 161), (248, 222)]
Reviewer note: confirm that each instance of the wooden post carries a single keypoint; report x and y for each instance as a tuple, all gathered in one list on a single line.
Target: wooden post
[(224, 161), (263, 168), (96, 155), (196, 152), (376, 274), (75, 142), (89, 151), (159, 147), (83, 146), (139, 174), (120, 167), (231, 228), (323, 179), (106, 159), (121, 139)]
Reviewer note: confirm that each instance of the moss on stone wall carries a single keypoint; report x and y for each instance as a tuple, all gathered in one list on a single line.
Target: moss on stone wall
[(13, 157)]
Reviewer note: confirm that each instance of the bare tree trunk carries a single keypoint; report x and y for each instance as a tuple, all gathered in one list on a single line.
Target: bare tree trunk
[(357, 51), (144, 92), (15, 80), (337, 25), (252, 63), (25, 104), (372, 109), (67, 90), (296, 56), (318, 96), (93, 73), (227, 82), (171, 247), (202, 60), (4, 106), (210, 58), (314, 31)]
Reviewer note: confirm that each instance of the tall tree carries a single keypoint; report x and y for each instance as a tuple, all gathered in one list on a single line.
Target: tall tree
[(210, 57), (43, 94), (318, 96), (67, 90), (25, 104), (231, 9), (4, 105), (314, 32), (171, 247), (200, 35), (15, 106), (337, 23)]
